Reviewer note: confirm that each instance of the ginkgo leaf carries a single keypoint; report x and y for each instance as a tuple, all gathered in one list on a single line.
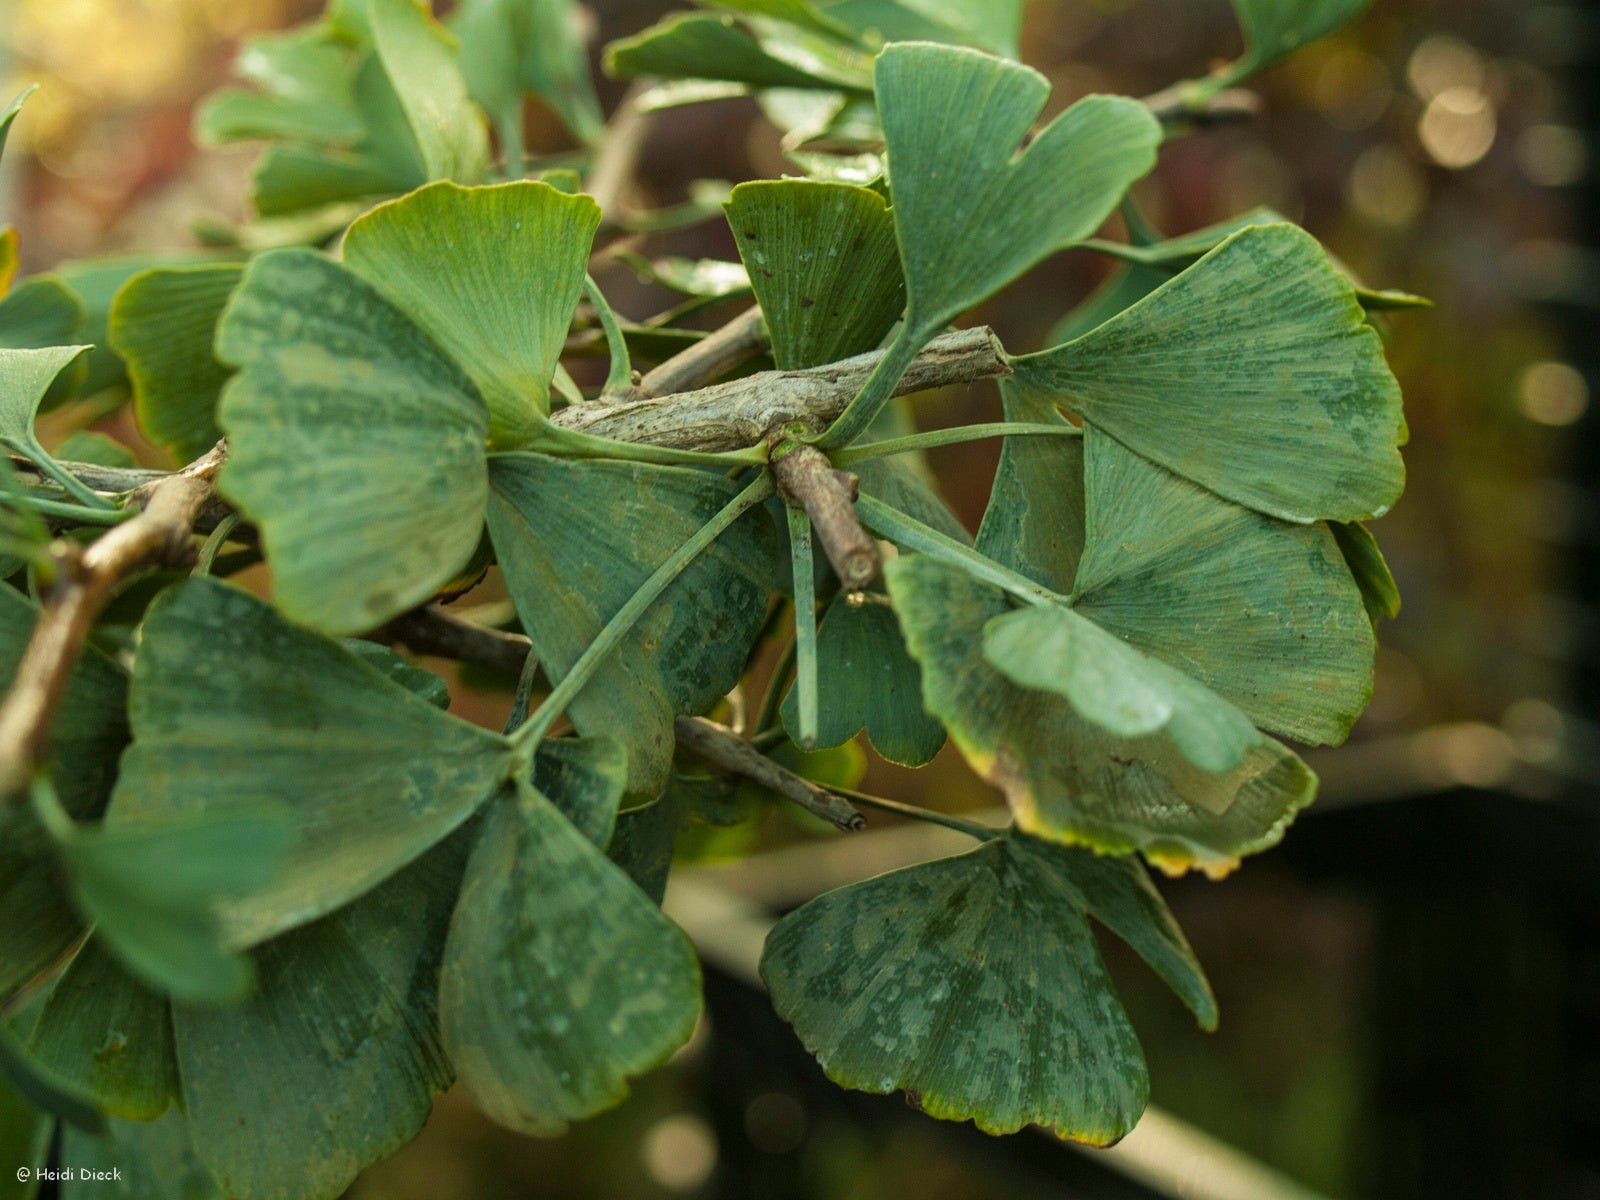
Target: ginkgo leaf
[(1263, 612), (43, 311), (561, 979), (419, 57), (356, 445), (1066, 778), (307, 82), (154, 891), (973, 984), (1034, 521), (705, 46), (509, 47), (823, 262), (492, 275), (585, 778), (1379, 591), (1111, 684), (1274, 29), (25, 377), (233, 706), (867, 681), (108, 1036), (163, 324), (347, 1013), (963, 238), (577, 539), (1253, 373), (992, 25)]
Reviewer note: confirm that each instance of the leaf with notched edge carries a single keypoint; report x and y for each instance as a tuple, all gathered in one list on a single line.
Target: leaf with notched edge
[(356, 444), (1253, 373), (974, 984), (1262, 611), (1067, 779), (235, 707), (823, 262), (561, 978)]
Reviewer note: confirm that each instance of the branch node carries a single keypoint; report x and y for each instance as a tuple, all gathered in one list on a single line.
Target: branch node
[(806, 477)]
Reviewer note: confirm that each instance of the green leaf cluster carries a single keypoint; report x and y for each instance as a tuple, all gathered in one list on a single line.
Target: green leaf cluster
[(266, 861)]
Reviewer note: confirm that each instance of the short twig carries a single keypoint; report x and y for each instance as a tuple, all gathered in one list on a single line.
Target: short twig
[(431, 630), (161, 535), (806, 477), (736, 343), (726, 751), (739, 413), (1181, 103)]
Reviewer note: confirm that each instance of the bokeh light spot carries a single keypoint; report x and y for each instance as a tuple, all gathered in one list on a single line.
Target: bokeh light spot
[(680, 1152), (1458, 127), (1553, 393)]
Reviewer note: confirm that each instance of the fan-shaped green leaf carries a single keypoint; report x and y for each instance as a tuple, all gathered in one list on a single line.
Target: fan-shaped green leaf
[(1379, 591), (25, 377), (992, 25), (973, 984), (419, 57), (1034, 521), (577, 539), (1065, 778), (356, 445), (1264, 612), (307, 93), (1111, 684), (346, 1014), (964, 234), (509, 47), (234, 706), (823, 262), (1117, 892), (585, 778), (703, 46), (44, 311), (1274, 29), (109, 1037), (561, 979), (492, 275), (164, 325), (867, 680), (153, 890), (1254, 374), (966, 231)]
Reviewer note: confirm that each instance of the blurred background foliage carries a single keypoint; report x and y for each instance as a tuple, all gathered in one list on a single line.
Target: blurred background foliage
[(1434, 145)]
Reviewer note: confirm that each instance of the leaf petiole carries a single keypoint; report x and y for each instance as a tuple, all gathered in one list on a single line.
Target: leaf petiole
[(805, 623), (984, 833), (896, 527), (620, 377), (948, 437)]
